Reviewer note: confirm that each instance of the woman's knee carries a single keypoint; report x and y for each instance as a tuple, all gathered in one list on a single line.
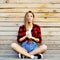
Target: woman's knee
[(13, 45), (44, 47)]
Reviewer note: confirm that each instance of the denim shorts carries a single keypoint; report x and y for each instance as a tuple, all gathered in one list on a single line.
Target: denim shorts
[(30, 46)]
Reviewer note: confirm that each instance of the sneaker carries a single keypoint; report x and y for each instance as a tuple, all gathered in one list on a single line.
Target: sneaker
[(21, 56), (39, 56), (32, 57)]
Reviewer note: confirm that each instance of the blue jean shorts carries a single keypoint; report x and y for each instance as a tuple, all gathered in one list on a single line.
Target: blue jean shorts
[(30, 46)]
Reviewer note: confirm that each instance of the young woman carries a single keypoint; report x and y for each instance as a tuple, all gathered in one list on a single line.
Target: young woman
[(29, 35)]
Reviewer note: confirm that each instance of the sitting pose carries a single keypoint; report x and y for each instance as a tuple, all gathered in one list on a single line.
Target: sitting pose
[(29, 35)]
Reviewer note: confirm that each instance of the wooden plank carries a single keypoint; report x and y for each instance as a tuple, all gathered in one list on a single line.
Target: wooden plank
[(8, 38), (44, 38), (50, 46), (10, 24), (36, 19), (50, 33), (11, 52), (14, 57), (7, 42), (44, 42), (50, 38), (30, 1), (53, 52), (7, 52), (37, 22), (29, 5), (51, 42), (55, 29), (53, 46), (34, 1), (35, 10), (50, 29), (48, 24), (9, 28), (15, 33), (8, 33), (4, 52), (37, 15), (5, 47)]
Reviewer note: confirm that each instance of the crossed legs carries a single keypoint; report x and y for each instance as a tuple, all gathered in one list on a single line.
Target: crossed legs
[(19, 49)]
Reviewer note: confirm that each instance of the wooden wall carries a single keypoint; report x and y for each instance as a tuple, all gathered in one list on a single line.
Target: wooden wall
[(47, 15)]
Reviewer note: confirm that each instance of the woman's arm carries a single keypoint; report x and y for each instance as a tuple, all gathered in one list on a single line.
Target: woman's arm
[(38, 37), (35, 39), (22, 39)]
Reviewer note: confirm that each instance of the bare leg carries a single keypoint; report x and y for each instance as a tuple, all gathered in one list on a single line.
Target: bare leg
[(20, 50), (40, 49)]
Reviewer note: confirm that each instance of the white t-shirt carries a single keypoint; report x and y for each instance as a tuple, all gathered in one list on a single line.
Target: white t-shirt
[(29, 32)]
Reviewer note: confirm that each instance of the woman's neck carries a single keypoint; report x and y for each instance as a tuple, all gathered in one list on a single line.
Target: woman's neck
[(29, 25)]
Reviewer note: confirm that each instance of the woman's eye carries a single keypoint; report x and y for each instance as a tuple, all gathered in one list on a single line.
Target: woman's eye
[(31, 16)]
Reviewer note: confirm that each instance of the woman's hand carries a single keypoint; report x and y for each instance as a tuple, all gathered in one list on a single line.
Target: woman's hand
[(28, 34)]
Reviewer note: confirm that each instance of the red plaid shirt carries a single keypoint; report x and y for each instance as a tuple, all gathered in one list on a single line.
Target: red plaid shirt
[(36, 32)]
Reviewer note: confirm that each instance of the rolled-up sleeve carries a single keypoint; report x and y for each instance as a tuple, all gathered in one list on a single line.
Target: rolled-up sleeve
[(20, 34), (39, 35)]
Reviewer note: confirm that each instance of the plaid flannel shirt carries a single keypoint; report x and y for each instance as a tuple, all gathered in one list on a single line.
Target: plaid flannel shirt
[(36, 32)]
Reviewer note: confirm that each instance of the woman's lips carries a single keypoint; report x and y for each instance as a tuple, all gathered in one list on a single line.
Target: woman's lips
[(28, 22)]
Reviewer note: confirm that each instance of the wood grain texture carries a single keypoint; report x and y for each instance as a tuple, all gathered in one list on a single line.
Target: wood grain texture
[(35, 10), (30, 1), (38, 15), (35, 19), (44, 38), (50, 46), (29, 5), (47, 16)]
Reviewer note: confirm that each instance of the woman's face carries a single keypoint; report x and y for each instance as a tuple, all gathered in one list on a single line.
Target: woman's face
[(29, 18)]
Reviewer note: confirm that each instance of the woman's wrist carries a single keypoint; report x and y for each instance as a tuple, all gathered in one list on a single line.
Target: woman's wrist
[(23, 38), (32, 38), (35, 39)]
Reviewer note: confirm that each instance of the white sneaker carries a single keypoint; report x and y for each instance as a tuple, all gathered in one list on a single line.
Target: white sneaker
[(32, 57), (20, 56), (40, 56)]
